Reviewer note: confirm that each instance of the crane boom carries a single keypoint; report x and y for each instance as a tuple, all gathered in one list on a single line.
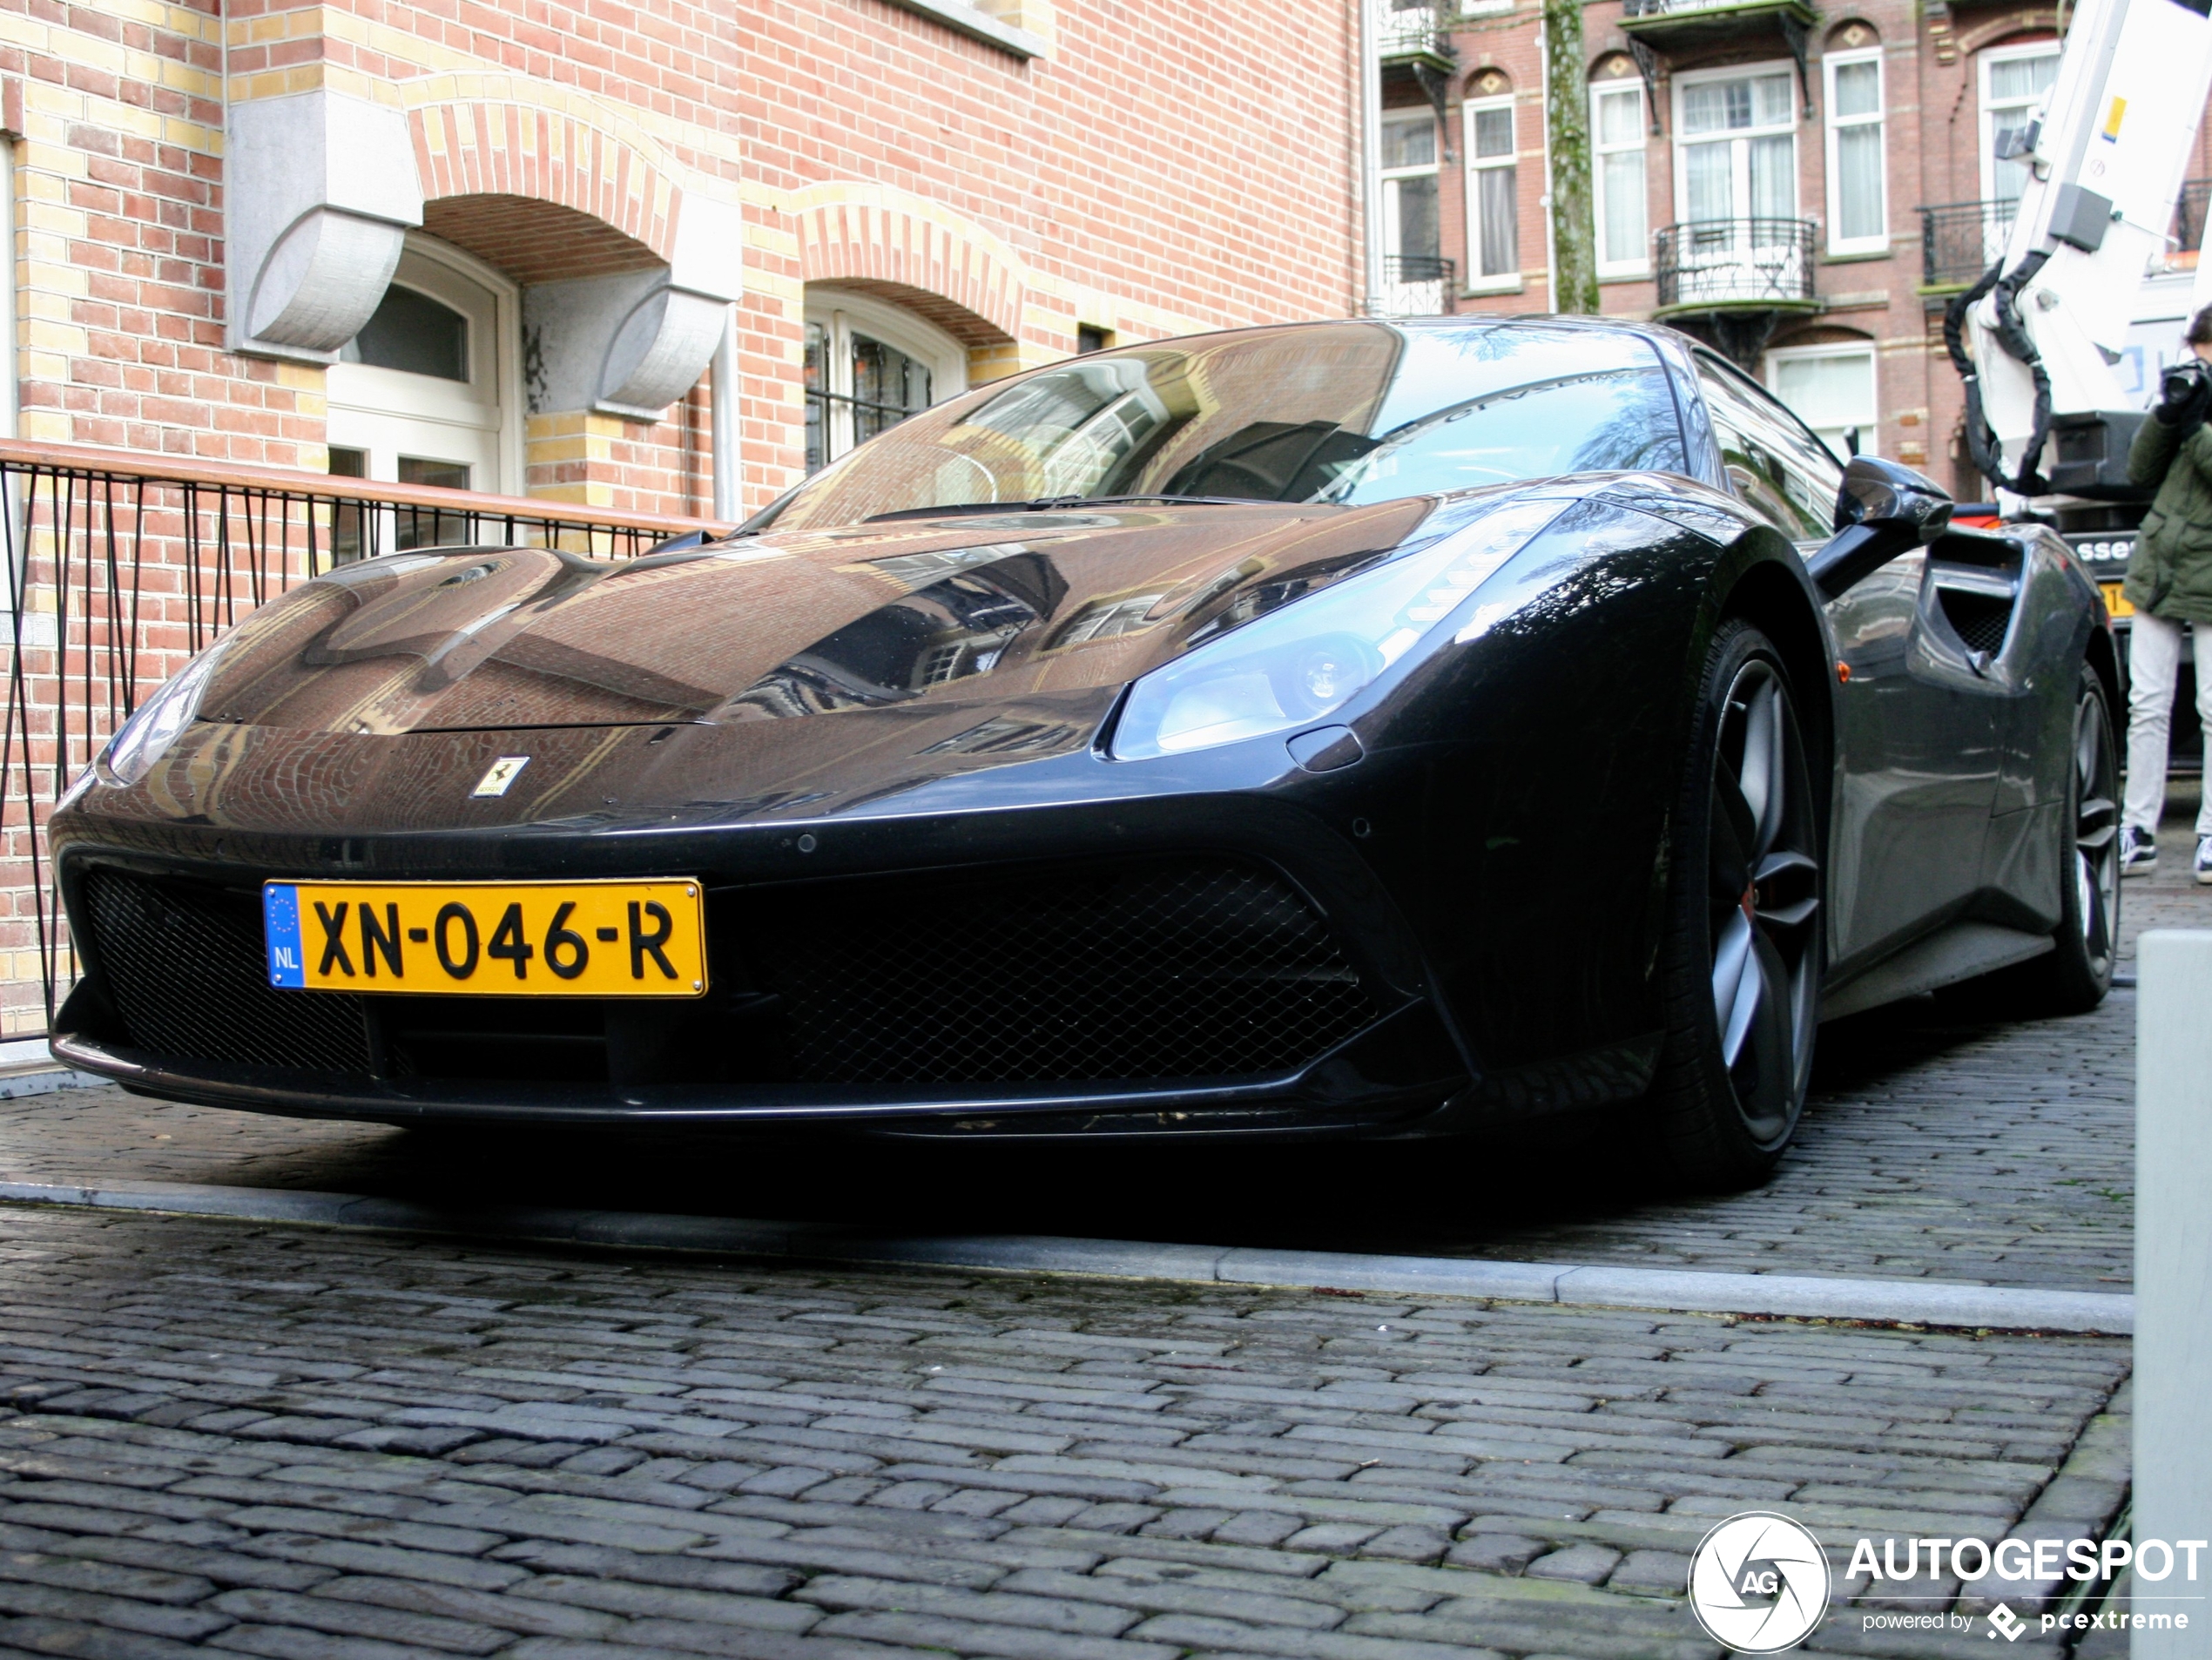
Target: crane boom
[(2036, 338)]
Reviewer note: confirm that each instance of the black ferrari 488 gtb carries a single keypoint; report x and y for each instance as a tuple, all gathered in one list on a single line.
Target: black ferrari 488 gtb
[(1357, 728)]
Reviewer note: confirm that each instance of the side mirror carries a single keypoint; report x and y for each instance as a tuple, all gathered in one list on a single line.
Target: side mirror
[(1882, 510)]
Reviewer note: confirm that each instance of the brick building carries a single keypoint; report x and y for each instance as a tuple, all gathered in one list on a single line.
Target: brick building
[(495, 246), (1837, 164)]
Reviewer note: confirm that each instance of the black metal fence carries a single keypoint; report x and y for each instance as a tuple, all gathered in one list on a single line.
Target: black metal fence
[(1734, 262), (119, 568)]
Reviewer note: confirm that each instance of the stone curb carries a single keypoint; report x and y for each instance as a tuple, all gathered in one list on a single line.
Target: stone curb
[(16, 1084), (1916, 1302)]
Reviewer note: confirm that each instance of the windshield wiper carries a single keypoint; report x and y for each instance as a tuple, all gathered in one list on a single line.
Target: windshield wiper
[(1057, 503)]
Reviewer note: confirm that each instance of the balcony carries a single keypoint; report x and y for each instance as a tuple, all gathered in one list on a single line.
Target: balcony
[(1416, 285), (1680, 26), (1959, 240), (1413, 36), (119, 566), (1758, 263), (1736, 279), (2188, 225)]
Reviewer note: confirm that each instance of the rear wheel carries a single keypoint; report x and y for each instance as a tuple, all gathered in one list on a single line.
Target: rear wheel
[(2074, 977), (1743, 955)]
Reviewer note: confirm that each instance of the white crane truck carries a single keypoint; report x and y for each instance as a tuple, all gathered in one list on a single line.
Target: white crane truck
[(2063, 340)]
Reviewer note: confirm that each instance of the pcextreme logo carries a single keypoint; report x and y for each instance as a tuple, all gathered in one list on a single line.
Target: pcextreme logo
[(1758, 1583)]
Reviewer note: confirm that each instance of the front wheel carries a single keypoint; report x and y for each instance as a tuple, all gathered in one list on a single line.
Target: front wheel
[(1743, 955)]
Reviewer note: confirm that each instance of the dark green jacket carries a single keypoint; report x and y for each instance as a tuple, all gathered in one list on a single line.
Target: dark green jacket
[(2171, 573)]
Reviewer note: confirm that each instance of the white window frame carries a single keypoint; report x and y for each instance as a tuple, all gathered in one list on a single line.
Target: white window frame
[(1986, 122), (384, 412), (1836, 124), (1433, 168), (1501, 282), (843, 315), (1741, 136), (1869, 428), (1641, 265)]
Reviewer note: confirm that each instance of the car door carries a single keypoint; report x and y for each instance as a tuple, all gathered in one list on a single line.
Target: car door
[(1917, 725)]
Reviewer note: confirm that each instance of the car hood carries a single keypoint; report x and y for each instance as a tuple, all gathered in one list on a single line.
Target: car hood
[(1012, 605)]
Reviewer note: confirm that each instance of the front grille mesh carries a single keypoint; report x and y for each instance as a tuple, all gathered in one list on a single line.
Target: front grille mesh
[(1183, 968), (1165, 968), (183, 965)]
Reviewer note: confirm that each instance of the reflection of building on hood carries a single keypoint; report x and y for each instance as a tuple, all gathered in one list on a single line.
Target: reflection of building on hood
[(804, 625), (1352, 413), (1117, 423)]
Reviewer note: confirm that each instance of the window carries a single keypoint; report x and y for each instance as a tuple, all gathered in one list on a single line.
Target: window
[(1493, 232), (429, 391), (1617, 125), (1410, 233), (1830, 388), (1089, 337), (1857, 192), (868, 366), (414, 333), (2013, 81), (1778, 468), (1737, 136)]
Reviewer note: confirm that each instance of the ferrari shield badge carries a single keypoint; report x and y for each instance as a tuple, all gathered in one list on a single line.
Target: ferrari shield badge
[(502, 772)]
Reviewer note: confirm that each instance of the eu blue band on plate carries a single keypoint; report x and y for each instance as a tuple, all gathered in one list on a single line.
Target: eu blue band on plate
[(280, 909)]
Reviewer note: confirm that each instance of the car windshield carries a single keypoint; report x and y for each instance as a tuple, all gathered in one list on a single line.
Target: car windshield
[(1351, 412)]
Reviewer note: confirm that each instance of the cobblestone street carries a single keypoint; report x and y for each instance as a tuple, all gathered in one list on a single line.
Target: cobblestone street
[(308, 1442), (302, 1444)]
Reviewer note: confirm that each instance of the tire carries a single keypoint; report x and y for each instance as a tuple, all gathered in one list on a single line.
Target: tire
[(1743, 953), (2074, 978)]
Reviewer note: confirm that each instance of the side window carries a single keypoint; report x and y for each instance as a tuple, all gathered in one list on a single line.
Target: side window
[(1776, 466)]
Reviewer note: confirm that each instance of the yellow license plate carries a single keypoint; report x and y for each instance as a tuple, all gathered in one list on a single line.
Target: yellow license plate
[(2114, 603), (488, 938)]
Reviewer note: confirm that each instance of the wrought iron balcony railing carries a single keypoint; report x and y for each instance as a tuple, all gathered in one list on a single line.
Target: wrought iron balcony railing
[(2189, 221), (1734, 262), (1634, 13), (1416, 285), (1408, 31), (1960, 239), (120, 566)]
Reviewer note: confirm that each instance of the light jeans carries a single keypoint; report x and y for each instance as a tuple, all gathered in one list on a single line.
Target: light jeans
[(2153, 660)]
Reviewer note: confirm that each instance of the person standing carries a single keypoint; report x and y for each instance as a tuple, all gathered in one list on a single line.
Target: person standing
[(2169, 583)]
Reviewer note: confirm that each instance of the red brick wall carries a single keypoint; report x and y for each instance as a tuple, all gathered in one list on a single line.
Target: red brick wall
[(1179, 166)]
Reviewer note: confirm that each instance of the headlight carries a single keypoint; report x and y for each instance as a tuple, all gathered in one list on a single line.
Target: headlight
[(1293, 665), (143, 739)]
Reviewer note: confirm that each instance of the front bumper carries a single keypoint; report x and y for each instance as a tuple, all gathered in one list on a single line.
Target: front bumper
[(844, 950)]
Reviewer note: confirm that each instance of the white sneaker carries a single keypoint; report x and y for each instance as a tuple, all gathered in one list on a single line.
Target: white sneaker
[(2138, 851), (2204, 860)]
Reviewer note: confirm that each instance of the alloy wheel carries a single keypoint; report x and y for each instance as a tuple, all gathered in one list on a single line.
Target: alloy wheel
[(2096, 841), (1764, 902)]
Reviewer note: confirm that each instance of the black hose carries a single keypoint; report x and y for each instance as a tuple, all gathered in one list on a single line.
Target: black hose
[(2012, 336)]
